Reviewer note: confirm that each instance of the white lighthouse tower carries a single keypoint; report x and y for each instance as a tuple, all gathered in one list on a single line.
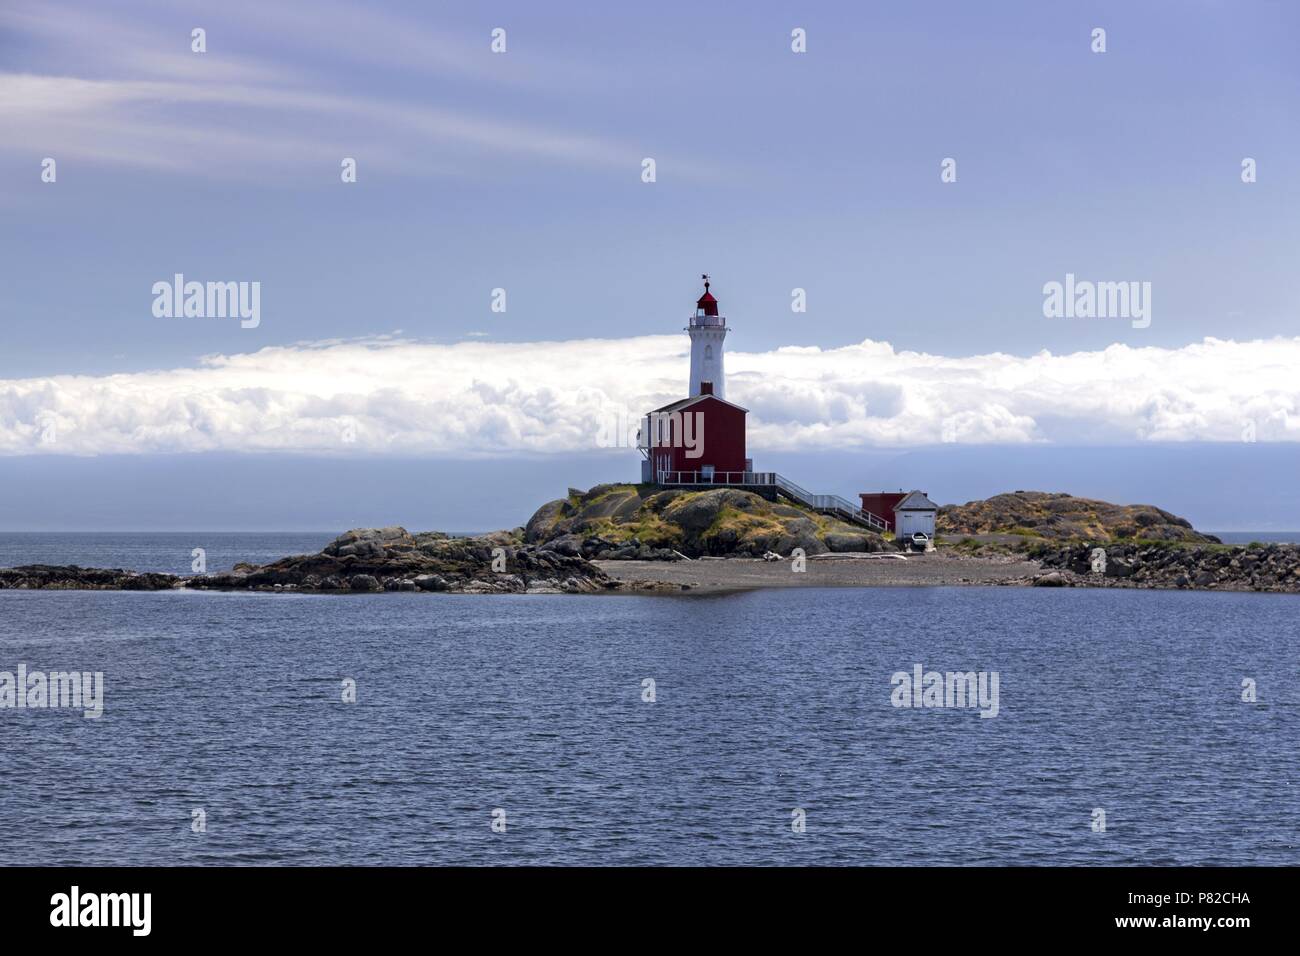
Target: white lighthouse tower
[(707, 330)]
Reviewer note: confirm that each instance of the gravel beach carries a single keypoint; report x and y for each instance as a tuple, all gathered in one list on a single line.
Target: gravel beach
[(918, 570)]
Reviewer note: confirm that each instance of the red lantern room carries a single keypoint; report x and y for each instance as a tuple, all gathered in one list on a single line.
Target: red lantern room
[(707, 304)]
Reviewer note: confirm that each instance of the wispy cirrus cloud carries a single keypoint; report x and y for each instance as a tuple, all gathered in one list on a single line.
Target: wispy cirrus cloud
[(474, 399), (103, 91), (132, 122)]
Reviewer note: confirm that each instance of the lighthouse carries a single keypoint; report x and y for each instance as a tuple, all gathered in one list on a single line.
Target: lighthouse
[(699, 439), (707, 330)]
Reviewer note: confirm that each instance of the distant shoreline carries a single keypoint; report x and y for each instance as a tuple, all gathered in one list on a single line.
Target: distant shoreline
[(390, 559)]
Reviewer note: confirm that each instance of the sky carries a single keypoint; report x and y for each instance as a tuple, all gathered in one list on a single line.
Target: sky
[(484, 176)]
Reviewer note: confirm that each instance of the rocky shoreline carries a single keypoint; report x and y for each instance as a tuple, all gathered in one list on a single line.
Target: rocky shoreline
[(631, 539), (49, 577), (360, 561), (1268, 567), (390, 559)]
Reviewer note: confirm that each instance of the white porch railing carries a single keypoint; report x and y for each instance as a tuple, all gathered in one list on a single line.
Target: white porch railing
[(716, 477)]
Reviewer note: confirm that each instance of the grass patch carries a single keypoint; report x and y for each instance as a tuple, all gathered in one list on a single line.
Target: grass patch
[(649, 529), (743, 524), (607, 490), (1024, 532)]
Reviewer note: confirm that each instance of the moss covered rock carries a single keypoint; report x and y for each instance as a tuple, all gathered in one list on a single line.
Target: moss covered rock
[(1059, 516), (648, 521)]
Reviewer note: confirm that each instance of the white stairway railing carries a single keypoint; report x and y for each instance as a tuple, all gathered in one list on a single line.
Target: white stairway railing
[(826, 504), (830, 504)]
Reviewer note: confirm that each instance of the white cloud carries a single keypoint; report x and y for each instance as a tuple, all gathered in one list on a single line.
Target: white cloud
[(133, 96), (181, 125), (476, 398)]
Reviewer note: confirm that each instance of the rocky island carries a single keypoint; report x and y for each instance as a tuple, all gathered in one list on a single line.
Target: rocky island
[(619, 538), (1038, 514), (363, 560)]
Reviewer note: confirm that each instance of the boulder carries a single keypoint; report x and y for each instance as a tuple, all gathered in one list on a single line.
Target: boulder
[(370, 543), (841, 542), (543, 519), (1119, 568), (808, 542), (569, 544), (696, 513), (800, 533)]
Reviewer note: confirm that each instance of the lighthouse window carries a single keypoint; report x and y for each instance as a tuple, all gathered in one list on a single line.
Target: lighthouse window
[(708, 353)]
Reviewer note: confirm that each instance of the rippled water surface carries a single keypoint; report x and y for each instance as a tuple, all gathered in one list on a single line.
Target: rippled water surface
[(171, 552), (766, 701)]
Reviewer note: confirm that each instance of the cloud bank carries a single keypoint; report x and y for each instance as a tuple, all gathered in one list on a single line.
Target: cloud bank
[(483, 399)]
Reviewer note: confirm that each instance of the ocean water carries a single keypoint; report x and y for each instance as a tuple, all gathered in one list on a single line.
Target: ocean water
[(766, 702), (1264, 537), (168, 551)]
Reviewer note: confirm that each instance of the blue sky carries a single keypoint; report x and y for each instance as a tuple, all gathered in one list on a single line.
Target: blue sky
[(522, 170)]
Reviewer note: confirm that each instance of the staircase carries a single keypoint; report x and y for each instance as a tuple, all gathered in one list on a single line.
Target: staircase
[(832, 505)]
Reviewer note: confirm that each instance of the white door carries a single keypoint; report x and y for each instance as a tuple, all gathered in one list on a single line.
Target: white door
[(912, 521)]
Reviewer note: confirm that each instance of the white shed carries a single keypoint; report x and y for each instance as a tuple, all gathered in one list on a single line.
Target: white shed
[(915, 513)]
